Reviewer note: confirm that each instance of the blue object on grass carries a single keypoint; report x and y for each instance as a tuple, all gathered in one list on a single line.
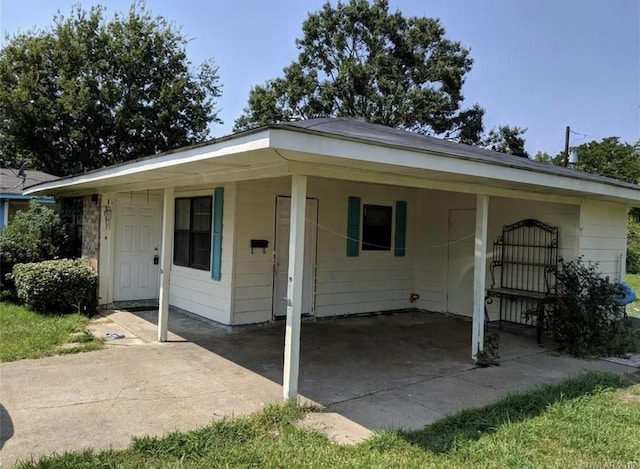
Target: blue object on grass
[(627, 295)]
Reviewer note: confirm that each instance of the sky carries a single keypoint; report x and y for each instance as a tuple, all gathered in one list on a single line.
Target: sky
[(538, 64)]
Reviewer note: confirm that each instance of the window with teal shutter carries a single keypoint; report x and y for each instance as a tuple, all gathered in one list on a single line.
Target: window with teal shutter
[(353, 227), (216, 244), (401, 228)]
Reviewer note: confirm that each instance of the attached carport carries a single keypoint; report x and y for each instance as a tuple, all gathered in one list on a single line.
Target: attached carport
[(354, 152), (377, 372), (381, 371)]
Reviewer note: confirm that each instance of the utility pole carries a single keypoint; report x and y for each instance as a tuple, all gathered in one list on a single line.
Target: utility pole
[(566, 146)]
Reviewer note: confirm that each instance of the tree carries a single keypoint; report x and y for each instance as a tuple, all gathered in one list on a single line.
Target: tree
[(543, 156), (359, 60), (88, 92), (610, 157), (506, 139)]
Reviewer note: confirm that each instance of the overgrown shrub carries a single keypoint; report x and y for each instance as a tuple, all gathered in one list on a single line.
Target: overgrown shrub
[(587, 321), (633, 259), (57, 286), (32, 236), (633, 245)]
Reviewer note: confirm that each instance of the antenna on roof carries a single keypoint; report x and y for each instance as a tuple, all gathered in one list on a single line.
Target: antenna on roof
[(22, 174)]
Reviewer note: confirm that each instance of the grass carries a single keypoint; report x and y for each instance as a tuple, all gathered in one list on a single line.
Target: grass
[(634, 282), (26, 334), (589, 421)]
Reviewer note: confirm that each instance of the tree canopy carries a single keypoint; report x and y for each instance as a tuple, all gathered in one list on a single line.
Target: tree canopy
[(90, 92), (506, 139), (357, 59), (610, 157)]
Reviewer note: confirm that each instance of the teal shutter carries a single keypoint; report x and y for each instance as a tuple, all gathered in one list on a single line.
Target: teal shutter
[(401, 228), (353, 227), (216, 241)]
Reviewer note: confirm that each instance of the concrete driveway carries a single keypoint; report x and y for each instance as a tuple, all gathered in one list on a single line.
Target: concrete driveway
[(369, 373)]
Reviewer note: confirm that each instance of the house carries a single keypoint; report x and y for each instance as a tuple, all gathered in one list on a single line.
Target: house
[(12, 184), (326, 217)]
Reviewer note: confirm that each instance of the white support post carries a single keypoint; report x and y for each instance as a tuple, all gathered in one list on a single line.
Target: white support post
[(479, 274), (168, 214), (294, 287)]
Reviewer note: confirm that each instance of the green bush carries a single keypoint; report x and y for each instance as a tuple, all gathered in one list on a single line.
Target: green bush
[(633, 245), (633, 259), (57, 286), (32, 236), (586, 320)]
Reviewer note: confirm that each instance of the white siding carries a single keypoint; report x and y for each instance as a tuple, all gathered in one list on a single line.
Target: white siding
[(603, 239), (432, 259), (566, 217), (504, 211), (372, 281), (194, 290), (432, 231), (253, 274)]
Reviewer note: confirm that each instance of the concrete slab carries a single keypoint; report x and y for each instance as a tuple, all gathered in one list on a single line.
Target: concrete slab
[(535, 370), (402, 370), (448, 395), (102, 399), (386, 410)]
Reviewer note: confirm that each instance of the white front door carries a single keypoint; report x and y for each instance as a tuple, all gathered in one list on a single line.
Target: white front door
[(462, 228), (138, 219), (281, 269)]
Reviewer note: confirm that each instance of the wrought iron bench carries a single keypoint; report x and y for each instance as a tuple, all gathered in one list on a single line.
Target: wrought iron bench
[(523, 272)]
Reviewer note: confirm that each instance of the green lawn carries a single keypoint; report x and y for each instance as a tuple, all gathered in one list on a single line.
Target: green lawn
[(25, 334), (634, 281), (589, 421)]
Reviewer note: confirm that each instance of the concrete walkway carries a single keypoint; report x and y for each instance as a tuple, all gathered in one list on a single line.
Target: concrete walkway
[(369, 373)]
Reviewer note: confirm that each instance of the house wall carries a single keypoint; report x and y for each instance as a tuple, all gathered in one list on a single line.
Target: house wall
[(372, 281), (566, 217), (253, 274), (431, 255), (194, 290), (603, 236), (432, 259)]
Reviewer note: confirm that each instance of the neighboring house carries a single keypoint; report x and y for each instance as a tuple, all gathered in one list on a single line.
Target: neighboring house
[(394, 220), (13, 182)]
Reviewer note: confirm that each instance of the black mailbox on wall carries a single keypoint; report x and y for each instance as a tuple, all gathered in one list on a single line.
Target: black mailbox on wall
[(259, 244)]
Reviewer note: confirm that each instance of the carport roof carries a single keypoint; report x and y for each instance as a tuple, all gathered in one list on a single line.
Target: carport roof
[(365, 131), (303, 146)]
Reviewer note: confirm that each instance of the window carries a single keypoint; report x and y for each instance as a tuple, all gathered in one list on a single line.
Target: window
[(192, 234), (376, 228)]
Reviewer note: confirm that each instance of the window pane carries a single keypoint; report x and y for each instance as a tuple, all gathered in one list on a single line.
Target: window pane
[(202, 214), (376, 228), (181, 248), (200, 250), (183, 213), (192, 235)]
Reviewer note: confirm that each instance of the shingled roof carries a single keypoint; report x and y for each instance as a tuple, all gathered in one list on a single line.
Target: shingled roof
[(12, 184), (398, 138)]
